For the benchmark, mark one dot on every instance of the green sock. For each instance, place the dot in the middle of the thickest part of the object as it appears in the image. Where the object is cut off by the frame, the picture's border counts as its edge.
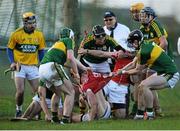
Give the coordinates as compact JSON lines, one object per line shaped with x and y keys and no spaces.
{"x":134,"y":108}
{"x":55,"y":117}
{"x":140,"y":112}
{"x":66,"y":119}
{"x":149,"y":109}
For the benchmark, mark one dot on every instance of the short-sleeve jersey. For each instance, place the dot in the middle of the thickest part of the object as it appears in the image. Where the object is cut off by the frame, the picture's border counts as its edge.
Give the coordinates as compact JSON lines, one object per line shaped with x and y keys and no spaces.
{"x":58,"y":52}
{"x":25,"y":46}
{"x":90,"y":43}
{"x":154,"y":32}
{"x":155,"y":58}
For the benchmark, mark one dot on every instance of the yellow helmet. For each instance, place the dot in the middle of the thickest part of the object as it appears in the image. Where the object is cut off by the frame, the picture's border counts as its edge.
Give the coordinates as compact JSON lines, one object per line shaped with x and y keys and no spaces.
{"x":137,"y":7}
{"x":29,"y":17}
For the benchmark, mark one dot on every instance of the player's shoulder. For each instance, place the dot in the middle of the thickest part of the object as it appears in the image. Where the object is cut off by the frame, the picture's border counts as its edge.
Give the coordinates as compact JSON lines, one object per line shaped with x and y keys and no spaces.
{"x":110,"y":39}
{"x":18,"y":30}
{"x":156,"y":24}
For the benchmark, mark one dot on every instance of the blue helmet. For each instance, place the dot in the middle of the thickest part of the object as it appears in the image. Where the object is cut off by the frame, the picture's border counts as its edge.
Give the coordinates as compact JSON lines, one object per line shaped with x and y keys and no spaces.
{"x":148,"y":11}
{"x":146,"y":15}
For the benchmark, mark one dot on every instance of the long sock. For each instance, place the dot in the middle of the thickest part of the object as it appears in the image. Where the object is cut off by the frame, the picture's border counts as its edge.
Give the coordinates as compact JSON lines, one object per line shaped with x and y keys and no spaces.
{"x":66,"y":119}
{"x":134,"y":108}
{"x":55,"y":117}
{"x":140,"y":112}
{"x":19,"y":107}
{"x":149,"y":109}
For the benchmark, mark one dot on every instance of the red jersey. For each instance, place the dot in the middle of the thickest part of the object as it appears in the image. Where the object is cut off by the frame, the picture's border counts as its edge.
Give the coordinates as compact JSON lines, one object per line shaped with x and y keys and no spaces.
{"x":123,"y":78}
{"x":94,"y":81}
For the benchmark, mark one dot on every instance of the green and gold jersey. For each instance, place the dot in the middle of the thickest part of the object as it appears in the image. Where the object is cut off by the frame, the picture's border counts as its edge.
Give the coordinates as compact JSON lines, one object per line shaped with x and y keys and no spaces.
{"x":25,"y":46}
{"x":90,"y":43}
{"x":58,"y":52}
{"x":155,"y":58}
{"x":154,"y":32}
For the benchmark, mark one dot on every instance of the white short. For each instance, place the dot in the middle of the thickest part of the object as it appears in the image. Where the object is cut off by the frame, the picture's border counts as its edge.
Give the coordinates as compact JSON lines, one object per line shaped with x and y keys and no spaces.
{"x":106,"y":115}
{"x":48,"y":101}
{"x":116,"y":93}
{"x":49,"y":74}
{"x":100,"y":67}
{"x":174,"y":80}
{"x":29,"y":72}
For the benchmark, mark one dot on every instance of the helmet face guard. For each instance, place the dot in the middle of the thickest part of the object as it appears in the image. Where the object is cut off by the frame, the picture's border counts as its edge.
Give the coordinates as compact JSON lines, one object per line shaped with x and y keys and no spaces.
{"x":135,"y":36}
{"x":135,"y":15}
{"x":144,"y":18}
{"x":29,"y":22}
{"x":146,"y":15}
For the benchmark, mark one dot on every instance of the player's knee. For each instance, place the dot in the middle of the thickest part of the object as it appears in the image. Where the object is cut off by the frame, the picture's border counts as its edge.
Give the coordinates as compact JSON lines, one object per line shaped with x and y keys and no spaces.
{"x":20,"y":92}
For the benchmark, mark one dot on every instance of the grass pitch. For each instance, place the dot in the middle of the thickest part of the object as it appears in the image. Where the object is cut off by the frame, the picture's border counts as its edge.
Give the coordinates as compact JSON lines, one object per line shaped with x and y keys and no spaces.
{"x":169,"y":100}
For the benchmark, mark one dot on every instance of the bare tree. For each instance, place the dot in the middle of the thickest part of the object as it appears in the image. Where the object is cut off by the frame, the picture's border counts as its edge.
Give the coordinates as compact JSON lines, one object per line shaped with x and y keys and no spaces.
{"x":71,"y":17}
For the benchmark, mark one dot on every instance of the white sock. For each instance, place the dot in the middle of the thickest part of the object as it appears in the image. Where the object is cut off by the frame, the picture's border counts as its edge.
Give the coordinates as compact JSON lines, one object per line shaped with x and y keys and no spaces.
{"x":19,"y":107}
{"x":150,"y":113}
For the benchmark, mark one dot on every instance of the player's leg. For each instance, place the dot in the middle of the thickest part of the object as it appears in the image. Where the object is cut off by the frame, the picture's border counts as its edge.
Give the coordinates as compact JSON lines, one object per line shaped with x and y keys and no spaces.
{"x":19,"y":82}
{"x":55,"y":105}
{"x":135,"y":79}
{"x":104,"y":108}
{"x":33,"y":109}
{"x":33,"y":77}
{"x":69,"y":92}
{"x":145,"y":93}
{"x":156,"y":105}
{"x":93,"y":109}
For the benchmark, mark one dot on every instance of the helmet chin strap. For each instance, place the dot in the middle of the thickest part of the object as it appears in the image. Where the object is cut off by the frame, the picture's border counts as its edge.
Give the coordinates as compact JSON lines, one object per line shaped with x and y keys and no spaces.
{"x":29,"y":31}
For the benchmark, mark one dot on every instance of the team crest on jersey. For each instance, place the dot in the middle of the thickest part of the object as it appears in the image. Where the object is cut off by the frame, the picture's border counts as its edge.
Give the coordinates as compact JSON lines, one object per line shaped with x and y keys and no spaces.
{"x":36,"y":40}
{"x":104,"y":47}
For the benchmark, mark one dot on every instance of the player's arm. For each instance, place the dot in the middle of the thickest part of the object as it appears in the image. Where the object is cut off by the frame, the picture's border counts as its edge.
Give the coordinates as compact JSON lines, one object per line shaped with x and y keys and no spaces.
{"x":41,"y":54}
{"x":163,"y":42}
{"x":161,"y":33}
{"x":100,"y":53}
{"x":73,"y":63}
{"x":136,"y":70}
{"x":131,"y":68}
{"x":11,"y":58}
{"x":42,"y":95}
{"x":81,"y":66}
